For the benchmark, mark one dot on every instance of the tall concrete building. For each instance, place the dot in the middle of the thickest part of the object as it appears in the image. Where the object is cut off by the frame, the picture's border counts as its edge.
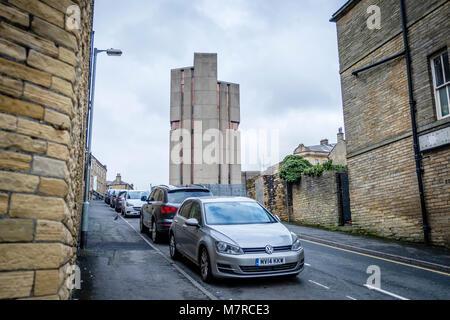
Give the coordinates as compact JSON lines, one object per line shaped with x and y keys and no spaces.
{"x":204,"y":119}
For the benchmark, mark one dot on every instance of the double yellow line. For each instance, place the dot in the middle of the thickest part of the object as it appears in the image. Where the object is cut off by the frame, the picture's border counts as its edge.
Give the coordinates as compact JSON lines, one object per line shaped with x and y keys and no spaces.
{"x":375,"y":257}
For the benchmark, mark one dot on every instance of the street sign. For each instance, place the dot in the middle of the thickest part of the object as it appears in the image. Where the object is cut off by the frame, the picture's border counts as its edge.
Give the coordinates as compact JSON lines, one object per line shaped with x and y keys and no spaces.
{"x":434,"y":139}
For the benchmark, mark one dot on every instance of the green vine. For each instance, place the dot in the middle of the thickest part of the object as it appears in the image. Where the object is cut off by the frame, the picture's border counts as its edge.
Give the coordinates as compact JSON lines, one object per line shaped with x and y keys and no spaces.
{"x":294,"y":166}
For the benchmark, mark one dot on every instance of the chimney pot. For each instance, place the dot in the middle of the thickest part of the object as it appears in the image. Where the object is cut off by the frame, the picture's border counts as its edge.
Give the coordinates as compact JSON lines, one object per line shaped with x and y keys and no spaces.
{"x":324,"y":142}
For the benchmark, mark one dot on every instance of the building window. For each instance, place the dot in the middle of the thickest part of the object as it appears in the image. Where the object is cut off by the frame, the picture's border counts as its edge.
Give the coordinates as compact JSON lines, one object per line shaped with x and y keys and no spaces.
{"x":441,"y":82}
{"x":317,"y":162}
{"x":324,"y":161}
{"x":175,"y":125}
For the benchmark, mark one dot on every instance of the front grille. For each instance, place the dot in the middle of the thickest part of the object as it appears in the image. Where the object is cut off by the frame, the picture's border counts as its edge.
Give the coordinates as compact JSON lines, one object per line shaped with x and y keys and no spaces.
{"x":263,"y":249}
{"x":281,"y":267}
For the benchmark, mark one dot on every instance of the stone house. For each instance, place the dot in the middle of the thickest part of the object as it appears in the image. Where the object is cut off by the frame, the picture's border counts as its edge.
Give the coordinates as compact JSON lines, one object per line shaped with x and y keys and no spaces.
{"x":396,"y":89}
{"x":98,"y":177}
{"x":118,"y":183}
{"x":44,"y":91}
{"x":324,"y":151}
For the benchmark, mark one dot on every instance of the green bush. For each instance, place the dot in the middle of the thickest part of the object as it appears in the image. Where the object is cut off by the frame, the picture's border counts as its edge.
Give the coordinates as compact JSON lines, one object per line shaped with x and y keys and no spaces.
{"x":294,"y":166}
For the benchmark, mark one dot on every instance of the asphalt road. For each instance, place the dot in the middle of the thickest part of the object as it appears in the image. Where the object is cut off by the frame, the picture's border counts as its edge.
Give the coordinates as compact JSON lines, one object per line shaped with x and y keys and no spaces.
{"x":121,"y":263}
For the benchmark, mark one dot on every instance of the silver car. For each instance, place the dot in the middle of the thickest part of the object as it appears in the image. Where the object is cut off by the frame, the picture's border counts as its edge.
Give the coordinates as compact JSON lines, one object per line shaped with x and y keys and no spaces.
{"x":234,"y":237}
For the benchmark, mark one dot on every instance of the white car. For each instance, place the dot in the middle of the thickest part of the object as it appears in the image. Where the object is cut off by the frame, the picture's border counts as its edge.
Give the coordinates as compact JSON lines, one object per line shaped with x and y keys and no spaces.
{"x":134,"y":199}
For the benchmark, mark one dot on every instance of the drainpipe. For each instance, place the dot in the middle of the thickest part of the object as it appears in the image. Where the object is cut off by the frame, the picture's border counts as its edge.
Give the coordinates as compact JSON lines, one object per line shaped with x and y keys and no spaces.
{"x":412,"y":104}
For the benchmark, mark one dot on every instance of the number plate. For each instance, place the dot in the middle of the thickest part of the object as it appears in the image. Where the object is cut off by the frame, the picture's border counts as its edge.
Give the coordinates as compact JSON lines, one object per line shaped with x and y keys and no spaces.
{"x":269,"y":261}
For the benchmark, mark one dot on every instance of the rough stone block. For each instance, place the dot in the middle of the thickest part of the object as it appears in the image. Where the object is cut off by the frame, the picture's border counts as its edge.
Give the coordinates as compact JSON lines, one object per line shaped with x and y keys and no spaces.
{"x":18,"y":182}
{"x":40,"y":9}
{"x":57,"y":151}
{"x":12,"y":50}
{"x":11,"y":86}
{"x":42,"y":131}
{"x":14,"y":161}
{"x":14,"y":15}
{"x":51,"y":65}
{"x":16,"y":284}
{"x":31,"y":256}
{"x":49,"y":167}
{"x":9,"y":140}
{"x":37,"y":207}
{"x":27,"y":39}
{"x":8,"y":122}
{"x":60,"y":120}
{"x":53,"y":187}
{"x":16,"y":230}
{"x":20,"y":71}
{"x":52,"y":32}
{"x":21,"y":108}
{"x":62,"y":86}
{"x":47,"y":282}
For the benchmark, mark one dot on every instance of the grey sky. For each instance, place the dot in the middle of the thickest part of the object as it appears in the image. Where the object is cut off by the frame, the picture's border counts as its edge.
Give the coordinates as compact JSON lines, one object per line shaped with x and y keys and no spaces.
{"x":282,"y":53}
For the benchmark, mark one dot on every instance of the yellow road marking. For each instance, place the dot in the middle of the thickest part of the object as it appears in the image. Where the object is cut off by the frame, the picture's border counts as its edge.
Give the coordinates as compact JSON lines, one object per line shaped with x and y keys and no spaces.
{"x":379,"y":258}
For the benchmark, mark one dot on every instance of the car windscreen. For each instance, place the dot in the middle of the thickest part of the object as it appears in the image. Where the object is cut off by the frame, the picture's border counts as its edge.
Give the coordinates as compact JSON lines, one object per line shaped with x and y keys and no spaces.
{"x":239,"y":212}
{"x":137,"y":194}
{"x":178,"y":196}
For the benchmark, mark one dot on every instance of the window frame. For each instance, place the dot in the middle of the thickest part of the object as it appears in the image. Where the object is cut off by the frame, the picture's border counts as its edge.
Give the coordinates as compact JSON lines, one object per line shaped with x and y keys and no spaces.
{"x":436,"y":88}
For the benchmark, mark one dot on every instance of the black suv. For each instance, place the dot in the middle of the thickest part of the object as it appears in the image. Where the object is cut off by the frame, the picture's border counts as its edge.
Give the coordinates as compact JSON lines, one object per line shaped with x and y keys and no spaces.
{"x":162,"y":204}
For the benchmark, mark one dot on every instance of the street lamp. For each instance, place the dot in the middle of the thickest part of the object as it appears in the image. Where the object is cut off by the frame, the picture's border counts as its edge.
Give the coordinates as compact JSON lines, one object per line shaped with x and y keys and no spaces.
{"x":85,"y":217}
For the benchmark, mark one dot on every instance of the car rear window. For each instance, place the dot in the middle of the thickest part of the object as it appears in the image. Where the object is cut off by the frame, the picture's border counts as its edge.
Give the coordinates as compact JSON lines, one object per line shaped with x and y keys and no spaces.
{"x":178,"y":196}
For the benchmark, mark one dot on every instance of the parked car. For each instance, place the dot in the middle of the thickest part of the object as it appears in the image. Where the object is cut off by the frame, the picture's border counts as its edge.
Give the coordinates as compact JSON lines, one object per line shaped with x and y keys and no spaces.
{"x":134,"y":199}
{"x":120,"y":199}
{"x":113,"y":198}
{"x":108,"y":196}
{"x":157,"y":213}
{"x":234,"y":237}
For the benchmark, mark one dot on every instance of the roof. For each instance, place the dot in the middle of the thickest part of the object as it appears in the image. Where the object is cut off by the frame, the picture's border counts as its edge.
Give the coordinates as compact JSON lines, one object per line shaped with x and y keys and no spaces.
{"x":344,"y":10}
{"x":321,"y":148}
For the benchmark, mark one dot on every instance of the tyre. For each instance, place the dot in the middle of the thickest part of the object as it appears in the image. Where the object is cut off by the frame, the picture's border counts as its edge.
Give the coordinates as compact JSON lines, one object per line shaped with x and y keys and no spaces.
{"x":205,"y":266}
{"x":142,"y":227}
{"x":156,"y":236}
{"x":174,"y":254}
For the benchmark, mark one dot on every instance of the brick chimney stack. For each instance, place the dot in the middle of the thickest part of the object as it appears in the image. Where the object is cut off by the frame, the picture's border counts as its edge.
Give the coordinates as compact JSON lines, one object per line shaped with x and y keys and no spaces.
{"x":340,"y":135}
{"x":324,"y":142}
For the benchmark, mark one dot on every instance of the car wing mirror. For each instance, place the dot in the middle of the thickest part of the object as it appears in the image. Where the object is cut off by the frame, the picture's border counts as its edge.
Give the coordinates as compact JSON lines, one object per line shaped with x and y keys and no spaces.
{"x":192,"y":222}
{"x":277,"y":218}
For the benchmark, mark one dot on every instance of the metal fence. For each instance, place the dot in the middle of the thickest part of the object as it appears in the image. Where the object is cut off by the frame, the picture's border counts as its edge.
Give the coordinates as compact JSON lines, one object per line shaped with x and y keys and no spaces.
{"x":235,"y":190}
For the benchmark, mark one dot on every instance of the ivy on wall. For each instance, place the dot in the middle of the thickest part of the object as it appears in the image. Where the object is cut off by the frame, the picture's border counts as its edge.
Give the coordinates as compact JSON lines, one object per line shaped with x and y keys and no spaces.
{"x":294,"y":166}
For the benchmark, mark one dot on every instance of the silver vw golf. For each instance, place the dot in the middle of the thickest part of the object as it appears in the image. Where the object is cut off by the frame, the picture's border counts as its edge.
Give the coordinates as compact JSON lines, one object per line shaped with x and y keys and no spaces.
{"x":234,"y":237}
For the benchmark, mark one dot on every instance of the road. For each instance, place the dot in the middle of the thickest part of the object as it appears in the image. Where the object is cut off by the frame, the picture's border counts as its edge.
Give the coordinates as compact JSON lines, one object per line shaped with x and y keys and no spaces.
{"x":121,"y":263}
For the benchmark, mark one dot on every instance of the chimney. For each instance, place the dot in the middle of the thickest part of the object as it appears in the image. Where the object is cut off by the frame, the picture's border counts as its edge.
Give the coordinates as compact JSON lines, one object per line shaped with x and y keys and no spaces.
{"x":340,"y":135}
{"x":118,"y":179}
{"x":324,"y":142}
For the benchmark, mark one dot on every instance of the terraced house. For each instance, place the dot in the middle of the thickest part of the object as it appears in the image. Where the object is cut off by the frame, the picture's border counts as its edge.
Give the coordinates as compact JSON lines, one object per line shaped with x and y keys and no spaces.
{"x":44,"y":93}
{"x":396,"y":87}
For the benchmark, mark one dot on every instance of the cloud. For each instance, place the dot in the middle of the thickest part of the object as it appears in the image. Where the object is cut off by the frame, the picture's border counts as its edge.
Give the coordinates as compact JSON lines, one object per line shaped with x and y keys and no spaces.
{"x":283,"y":55}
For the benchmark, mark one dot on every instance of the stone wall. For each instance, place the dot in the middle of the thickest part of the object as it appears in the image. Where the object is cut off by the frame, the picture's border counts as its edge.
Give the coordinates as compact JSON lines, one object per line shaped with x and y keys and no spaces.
{"x":273,"y":193}
{"x":44,"y":79}
{"x":383,"y":184}
{"x":315,"y":200}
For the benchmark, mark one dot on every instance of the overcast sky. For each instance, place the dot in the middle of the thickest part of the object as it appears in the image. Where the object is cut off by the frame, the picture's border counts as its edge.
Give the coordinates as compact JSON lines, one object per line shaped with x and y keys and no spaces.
{"x":282,"y":53}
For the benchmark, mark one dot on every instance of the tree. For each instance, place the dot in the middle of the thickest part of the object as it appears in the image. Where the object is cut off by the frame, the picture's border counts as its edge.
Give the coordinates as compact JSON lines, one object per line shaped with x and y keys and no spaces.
{"x":292,"y":168}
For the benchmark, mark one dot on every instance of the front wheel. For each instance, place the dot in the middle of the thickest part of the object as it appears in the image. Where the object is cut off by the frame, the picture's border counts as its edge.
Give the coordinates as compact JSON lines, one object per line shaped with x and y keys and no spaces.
{"x":205,"y":266}
{"x":142,"y":226}
{"x":174,"y":254}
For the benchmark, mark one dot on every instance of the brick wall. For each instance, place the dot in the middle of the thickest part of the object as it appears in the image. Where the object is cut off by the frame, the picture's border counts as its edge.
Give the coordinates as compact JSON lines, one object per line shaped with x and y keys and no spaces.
{"x":44,"y":76}
{"x":383,"y":184}
{"x":315,"y":200}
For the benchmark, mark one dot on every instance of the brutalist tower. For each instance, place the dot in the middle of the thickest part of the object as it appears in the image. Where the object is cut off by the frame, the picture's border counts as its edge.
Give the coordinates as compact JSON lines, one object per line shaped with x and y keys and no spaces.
{"x":204,"y":118}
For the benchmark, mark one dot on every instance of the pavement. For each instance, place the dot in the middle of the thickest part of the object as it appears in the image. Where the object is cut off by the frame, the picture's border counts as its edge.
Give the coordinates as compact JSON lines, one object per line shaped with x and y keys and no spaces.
{"x":416,"y":254}
{"x":120,"y":263}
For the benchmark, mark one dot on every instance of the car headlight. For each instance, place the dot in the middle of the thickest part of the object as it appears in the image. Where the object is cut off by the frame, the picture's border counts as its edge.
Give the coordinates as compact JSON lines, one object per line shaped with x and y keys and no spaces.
{"x":227,"y":248}
{"x":296,"y":245}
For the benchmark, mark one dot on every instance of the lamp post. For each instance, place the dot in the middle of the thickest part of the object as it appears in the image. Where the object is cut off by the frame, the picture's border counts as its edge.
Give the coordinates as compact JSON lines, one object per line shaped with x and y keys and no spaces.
{"x":85,"y":217}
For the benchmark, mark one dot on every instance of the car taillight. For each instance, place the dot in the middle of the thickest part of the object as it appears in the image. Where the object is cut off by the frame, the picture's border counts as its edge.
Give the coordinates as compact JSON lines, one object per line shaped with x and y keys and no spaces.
{"x":119,"y":198}
{"x":167,"y":209}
